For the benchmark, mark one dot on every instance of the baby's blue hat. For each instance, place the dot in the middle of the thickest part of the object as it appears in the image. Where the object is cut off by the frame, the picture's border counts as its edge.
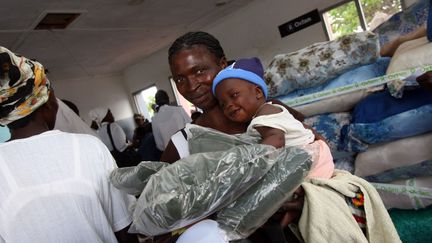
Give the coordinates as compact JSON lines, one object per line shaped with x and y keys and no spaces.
{"x":249,"y":69}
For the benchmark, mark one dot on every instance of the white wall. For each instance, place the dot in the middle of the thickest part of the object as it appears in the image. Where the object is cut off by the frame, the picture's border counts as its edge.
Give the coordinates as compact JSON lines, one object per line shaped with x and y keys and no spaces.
{"x":251,"y":31}
{"x":106,"y":91}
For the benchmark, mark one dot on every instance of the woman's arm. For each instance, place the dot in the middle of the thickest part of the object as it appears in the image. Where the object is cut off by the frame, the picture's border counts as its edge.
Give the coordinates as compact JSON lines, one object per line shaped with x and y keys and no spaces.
{"x":170,"y":155}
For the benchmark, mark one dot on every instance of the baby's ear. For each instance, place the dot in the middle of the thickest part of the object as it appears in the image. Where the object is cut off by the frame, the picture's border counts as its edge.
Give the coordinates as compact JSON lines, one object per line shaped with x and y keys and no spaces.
{"x":258,"y":92}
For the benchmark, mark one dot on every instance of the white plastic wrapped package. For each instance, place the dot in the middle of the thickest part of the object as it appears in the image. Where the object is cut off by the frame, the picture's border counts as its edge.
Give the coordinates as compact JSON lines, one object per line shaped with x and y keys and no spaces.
{"x":253,"y":208}
{"x":198,"y":185}
{"x":263,"y":199}
{"x":414,"y":193}
{"x":202,"y":139}
{"x":385,"y":156}
{"x":203,"y":183}
{"x":132,"y":180}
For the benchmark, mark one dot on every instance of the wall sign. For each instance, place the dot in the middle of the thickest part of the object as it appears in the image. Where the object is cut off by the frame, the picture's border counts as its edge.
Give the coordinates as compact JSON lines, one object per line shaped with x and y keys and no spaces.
{"x":299,"y":23}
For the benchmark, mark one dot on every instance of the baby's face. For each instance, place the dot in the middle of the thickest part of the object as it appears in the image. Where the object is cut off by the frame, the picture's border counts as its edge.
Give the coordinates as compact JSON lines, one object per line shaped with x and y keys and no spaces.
{"x":239,"y":99}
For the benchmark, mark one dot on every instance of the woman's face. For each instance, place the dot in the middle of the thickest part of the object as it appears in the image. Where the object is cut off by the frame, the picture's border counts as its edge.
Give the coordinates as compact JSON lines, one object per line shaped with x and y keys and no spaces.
{"x":193,"y":71}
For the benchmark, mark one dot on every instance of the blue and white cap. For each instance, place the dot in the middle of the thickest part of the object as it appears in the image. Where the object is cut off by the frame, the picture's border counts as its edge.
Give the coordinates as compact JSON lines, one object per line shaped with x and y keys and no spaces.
{"x":249,"y":69}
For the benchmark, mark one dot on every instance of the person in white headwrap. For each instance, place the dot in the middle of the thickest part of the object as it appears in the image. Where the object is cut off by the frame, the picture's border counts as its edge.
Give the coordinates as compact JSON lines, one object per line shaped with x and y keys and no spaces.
{"x":98,"y":114}
{"x":54,"y":185}
{"x":105,"y":120}
{"x":113,"y":136}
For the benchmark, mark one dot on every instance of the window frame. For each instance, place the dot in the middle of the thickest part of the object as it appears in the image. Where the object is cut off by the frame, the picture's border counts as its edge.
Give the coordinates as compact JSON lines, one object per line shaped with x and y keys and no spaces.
{"x":360,"y":13}
{"x":137,"y":106}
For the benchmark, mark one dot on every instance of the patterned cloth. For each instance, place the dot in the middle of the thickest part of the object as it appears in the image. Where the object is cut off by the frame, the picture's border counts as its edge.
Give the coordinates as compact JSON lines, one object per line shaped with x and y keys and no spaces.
{"x":356,"y":205}
{"x":329,"y":126}
{"x":351,"y":76}
{"x":402,"y":173}
{"x":403,"y":22}
{"x":357,"y":136}
{"x":23,"y":86}
{"x":320,"y":62}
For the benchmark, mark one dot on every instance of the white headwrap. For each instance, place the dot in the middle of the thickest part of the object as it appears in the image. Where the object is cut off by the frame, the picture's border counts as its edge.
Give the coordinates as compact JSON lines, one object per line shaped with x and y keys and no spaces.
{"x":98,"y":114}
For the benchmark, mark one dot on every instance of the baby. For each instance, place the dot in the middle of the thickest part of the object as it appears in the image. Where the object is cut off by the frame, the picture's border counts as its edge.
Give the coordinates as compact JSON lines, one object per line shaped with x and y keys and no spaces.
{"x":242,"y":93}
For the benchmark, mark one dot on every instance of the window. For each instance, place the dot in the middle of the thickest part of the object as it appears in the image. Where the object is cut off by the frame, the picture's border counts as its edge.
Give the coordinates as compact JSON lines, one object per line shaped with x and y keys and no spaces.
{"x":358,"y":15}
{"x":144,"y":100}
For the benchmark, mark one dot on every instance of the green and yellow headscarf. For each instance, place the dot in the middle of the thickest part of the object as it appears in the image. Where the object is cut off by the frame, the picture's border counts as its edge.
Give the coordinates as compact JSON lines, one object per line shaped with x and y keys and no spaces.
{"x":23,"y":86}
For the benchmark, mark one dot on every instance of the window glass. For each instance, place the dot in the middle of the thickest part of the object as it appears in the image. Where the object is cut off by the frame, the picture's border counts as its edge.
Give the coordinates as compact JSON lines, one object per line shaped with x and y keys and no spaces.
{"x":378,"y":11}
{"x":342,"y":20}
{"x":348,"y":18}
{"x":144,"y":100}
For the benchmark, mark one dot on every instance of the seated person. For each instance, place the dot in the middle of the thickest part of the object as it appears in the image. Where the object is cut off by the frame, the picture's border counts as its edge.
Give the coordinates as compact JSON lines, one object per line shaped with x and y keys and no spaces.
{"x":142,"y":128}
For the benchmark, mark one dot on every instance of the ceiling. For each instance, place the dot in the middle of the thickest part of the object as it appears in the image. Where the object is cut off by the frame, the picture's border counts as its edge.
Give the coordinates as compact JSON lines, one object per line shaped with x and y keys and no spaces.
{"x":108,"y":36}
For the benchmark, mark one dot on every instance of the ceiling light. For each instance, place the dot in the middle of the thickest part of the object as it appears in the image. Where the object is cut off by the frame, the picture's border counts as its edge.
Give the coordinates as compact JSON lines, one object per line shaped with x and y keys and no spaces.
{"x":56,"y":21}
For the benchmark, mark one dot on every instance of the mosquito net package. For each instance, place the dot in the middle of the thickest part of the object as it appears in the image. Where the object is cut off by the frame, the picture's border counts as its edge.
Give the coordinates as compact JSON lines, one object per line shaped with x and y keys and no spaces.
{"x":220,"y":169}
{"x":132,"y":180}
{"x":252,"y":209}
{"x":199,"y":185}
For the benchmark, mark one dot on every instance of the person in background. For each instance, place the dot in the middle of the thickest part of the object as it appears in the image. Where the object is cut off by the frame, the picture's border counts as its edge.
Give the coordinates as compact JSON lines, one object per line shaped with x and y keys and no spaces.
{"x":168,"y":120}
{"x":242,"y":93}
{"x":55,"y":186}
{"x":113,"y":136}
{"x":105,"y":119}
{"x":142,"y":127}
{"x":144,"y":140}
{"x":147,"y":148}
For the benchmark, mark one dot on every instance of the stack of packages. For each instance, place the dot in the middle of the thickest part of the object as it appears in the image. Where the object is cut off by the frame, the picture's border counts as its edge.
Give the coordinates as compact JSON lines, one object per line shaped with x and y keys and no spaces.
{"x":377,"y":120}
{"x":232,"y":178}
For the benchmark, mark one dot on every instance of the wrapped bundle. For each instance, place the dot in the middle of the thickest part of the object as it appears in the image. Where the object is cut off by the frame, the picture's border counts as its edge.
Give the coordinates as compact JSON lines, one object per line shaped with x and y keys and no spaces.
{"x":133,"y":179}
{"x":199,"y":185}
{"x":221,"y":168}
{"x":264,"y":198}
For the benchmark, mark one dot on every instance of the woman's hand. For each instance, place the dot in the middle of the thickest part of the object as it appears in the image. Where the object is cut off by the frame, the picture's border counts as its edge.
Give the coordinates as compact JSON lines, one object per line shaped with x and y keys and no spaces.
{"x":293,"y":208}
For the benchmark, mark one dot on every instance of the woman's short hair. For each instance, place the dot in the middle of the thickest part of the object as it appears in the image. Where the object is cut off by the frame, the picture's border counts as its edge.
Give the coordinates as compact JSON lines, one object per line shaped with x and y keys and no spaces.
{"x":192,"y":39}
